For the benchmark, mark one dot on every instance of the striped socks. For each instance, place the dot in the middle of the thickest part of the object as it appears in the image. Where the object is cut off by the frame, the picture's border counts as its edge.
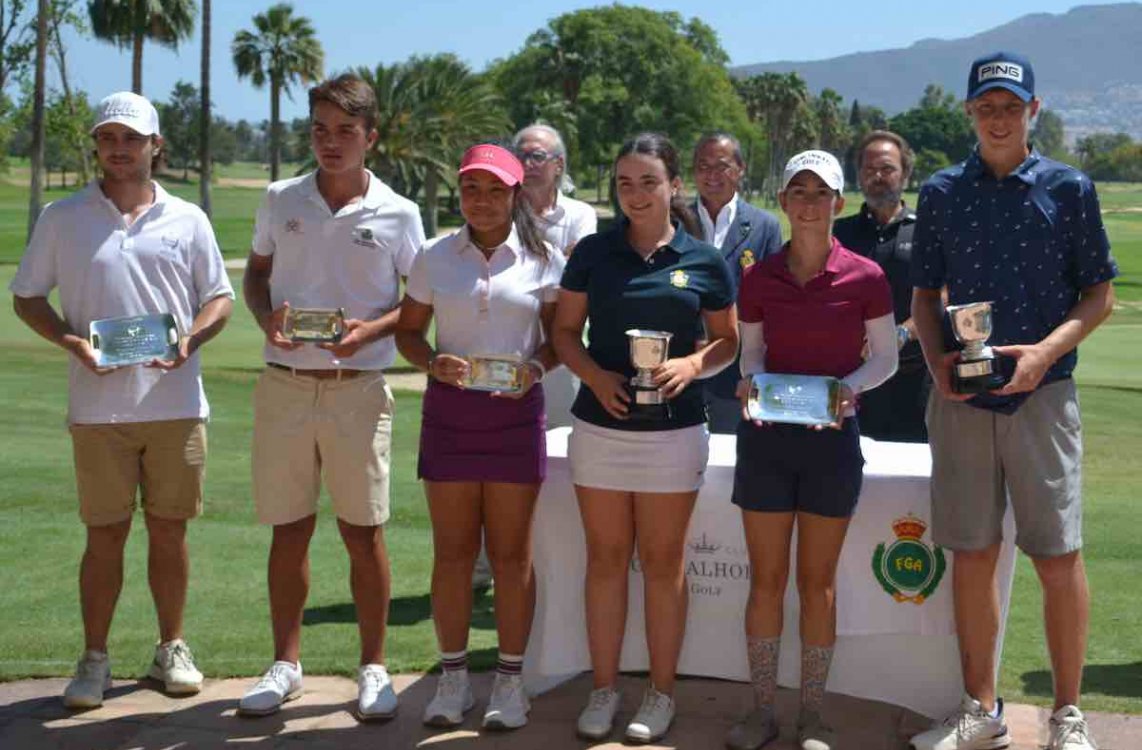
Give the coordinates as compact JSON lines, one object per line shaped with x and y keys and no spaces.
{"x":509,"y":664}
{"x":455,"y":661}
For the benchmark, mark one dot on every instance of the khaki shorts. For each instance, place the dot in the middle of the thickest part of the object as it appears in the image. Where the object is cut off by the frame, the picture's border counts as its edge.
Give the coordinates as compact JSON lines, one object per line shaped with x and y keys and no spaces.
{"x":167,"y":459}
{"x":307,"y":429}
{"x":981,"y":458}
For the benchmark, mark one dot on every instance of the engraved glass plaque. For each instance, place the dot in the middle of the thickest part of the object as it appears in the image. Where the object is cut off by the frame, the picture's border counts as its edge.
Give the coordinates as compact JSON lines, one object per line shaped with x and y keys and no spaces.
{"x":316,"y":325}
{"x":497,"y":374}
{"x":134,"y":340}
{"x":795,"y":399}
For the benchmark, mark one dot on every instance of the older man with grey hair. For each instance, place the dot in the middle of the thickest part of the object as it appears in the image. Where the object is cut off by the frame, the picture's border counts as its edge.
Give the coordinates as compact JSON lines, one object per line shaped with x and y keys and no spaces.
{"x":563,"y":220}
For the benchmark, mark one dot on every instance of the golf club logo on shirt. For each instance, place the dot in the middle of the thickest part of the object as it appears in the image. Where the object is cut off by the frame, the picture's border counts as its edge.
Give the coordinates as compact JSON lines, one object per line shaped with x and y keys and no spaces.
{"x":679,"y":278}
{"x":293,"y":226}
{"x":908,"y":569}
{"x":364,"y":237}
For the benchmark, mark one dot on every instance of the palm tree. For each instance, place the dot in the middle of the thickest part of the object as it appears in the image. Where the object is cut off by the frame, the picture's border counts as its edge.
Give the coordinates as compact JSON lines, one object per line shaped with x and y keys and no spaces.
{"x":127,"y":23}
{"x":207,"y":119}
{"x":283,"y":51}
{"x":36,"y":199}
{"x":430,"y":110}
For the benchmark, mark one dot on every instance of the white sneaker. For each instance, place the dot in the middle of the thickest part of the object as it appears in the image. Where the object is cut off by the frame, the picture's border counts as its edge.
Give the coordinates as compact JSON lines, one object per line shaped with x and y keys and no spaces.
{"x":376,"y":698}
{"x":1068,"y":731}
{"x":598,"y":717}
{"x":653,"y":718}
{"x":970,"y":727}
{"x":173,"y":666}
{"x":509,"y":705}
{"x":92,"y":679}
{"x":280,"y":683}
{"x":453,"y":699}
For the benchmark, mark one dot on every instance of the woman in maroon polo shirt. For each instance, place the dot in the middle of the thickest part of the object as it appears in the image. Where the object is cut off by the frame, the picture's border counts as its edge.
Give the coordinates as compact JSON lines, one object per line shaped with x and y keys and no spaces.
{"x":808,"y":310}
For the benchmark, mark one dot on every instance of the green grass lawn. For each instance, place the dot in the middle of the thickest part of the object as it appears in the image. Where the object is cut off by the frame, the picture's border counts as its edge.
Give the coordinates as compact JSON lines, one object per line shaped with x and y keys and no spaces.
{"x":227,"y":617}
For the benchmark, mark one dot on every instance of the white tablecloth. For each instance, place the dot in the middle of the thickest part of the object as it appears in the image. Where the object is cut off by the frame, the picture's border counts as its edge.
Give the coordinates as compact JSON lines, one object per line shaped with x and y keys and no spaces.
{"x":893,"y":650}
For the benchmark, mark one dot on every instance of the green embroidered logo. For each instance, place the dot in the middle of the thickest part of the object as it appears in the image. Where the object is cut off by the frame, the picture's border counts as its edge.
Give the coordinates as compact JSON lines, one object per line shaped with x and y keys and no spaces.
{"x":909,"y":569}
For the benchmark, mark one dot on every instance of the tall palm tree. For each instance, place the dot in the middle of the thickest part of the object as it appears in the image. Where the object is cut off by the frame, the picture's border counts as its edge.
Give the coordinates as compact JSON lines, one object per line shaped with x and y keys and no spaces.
{"x":205,"y":165}
{"x":283,"y":50}
{"x":35,"y":201}
{"x":430,"y":110}
{"x":128,"y":23}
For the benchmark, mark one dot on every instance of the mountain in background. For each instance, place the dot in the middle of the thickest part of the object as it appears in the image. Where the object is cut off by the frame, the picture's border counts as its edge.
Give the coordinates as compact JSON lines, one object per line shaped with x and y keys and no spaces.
{"x":1088,"y":67}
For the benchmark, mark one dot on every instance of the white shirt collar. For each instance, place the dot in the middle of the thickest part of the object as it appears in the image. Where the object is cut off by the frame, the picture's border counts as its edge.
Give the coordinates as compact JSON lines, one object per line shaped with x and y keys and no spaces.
{"x":715,"y":230}
{"x":512,"y":242}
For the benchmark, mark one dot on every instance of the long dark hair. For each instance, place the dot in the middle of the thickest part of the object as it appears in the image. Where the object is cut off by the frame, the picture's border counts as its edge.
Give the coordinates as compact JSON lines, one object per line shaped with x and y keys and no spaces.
{"x":660,"y":147}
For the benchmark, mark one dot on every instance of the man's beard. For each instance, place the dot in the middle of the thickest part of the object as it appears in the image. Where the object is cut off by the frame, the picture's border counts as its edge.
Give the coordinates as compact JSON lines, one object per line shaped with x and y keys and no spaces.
{"x":884,"y":199}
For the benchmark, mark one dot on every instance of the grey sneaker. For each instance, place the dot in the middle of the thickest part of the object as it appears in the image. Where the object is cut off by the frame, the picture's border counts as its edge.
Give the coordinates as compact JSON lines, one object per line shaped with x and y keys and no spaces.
{"x":453,"y":699}
{"x":653,"y":718}
{"x":1068,"y":731}
{"x":173,"y":666}
{"x":598,"y":717}
{"x":813,"y":733}
{"x":754,"y":731}
{"x":967,"y":728}
{"x":509,"y":705}
{"x":92,"y":679}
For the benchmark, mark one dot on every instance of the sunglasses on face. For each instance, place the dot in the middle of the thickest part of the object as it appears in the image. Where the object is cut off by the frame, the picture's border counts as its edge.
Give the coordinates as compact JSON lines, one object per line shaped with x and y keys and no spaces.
{"x":538,"y":156}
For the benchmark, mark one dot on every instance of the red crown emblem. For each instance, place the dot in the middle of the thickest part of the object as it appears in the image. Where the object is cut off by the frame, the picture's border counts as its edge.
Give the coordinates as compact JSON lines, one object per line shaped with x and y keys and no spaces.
{"x":909,"y":527}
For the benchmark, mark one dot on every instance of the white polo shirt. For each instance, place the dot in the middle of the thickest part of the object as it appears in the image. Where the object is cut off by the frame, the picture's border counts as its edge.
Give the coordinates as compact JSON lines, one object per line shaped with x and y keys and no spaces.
{"x":485,"y":306}
{"x":352,"y":259}
{"x":166,"y":261}
{"x":716,"y":229}
{"x":568,"y":222}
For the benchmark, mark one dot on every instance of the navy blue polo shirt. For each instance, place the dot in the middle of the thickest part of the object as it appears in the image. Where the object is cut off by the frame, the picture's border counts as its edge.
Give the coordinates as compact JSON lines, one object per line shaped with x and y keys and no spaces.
{"x":1029,"y":243}
{"x":666,"y":292}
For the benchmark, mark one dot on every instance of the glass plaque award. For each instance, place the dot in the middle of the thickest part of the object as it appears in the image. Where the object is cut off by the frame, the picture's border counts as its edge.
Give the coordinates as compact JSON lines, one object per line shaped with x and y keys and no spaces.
{"x":314,"y":325}
{"x":134,"y":340}
{"x":498,"y":374}
{"x":795,"y":399}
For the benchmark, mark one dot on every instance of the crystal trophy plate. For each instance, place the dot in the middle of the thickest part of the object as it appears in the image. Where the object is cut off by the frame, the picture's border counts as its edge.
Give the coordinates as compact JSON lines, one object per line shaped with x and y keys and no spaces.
{"x":314,"y":325}
{"x":794,"y":399}
{"x":494,"y":374}
{"x":134,"y":340}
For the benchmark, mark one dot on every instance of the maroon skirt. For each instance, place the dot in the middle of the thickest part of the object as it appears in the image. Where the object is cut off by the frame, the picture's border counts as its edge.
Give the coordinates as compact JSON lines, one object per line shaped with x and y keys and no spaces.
{"x":472,"y":436}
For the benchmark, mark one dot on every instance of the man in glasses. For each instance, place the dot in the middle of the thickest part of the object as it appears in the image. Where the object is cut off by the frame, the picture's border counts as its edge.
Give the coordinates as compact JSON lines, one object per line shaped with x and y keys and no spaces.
{"x":563,"y":220}
{"x":743,"y":232}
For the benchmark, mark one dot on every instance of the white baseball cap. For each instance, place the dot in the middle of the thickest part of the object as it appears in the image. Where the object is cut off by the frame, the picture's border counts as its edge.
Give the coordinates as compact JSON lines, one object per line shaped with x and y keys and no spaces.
{"x":128,"y":109}
{"x":821,"y":163}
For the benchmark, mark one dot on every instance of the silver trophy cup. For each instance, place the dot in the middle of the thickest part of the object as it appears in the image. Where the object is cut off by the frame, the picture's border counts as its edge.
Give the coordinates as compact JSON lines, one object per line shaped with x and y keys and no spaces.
{"x":648,"y":350}
{"x":977,"y":370}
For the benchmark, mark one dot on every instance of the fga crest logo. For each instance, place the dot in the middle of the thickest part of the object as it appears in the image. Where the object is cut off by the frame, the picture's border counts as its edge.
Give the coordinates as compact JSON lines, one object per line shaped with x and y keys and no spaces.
{"x":680,"y":278}
{"x":909,"y":569}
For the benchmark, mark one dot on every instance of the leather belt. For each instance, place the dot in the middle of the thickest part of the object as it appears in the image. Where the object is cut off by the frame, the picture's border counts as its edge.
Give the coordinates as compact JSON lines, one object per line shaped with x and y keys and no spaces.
{"x":331,"y":374}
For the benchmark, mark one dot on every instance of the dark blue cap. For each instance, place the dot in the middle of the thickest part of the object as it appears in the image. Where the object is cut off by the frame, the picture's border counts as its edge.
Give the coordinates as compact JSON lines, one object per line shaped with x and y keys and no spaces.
{"x":1002,"y":70}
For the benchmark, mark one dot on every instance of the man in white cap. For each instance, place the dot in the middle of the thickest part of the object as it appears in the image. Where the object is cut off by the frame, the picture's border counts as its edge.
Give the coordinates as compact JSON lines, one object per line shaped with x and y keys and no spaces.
{"x":122,"y":247}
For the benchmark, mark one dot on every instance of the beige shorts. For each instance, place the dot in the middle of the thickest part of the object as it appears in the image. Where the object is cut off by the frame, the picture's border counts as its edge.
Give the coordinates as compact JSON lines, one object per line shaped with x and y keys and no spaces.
{"x":309,"y":429}
{"x":166,"y":459}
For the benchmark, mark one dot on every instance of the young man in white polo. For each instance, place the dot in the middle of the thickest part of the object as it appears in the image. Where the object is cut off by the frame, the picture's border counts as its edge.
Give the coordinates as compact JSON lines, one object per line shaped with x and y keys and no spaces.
{"x":123,"y":246}
{"x":334,"y":238}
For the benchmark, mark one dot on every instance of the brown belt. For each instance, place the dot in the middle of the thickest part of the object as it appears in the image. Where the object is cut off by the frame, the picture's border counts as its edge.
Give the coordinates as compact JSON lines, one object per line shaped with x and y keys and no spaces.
{"x":332,"y":374}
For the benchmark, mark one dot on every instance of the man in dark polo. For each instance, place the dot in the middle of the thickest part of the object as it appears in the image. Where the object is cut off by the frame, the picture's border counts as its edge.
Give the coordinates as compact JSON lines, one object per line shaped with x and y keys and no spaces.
{"x":882,"y":231}
{"x":743,"y":232}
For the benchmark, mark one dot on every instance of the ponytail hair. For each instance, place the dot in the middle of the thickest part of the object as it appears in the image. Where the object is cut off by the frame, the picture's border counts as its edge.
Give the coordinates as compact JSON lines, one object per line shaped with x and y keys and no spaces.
{"x":659,"y":146}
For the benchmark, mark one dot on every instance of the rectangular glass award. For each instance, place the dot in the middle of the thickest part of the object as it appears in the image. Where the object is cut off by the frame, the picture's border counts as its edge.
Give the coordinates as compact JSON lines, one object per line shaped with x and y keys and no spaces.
{"x":498,"y":374}
{"x":794,"y":399}
{"x":314,"y":325}
{"x":134,"y":340}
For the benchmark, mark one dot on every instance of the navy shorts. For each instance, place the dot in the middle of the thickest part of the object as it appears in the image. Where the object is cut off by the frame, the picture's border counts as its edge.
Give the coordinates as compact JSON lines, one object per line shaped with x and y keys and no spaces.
{"x":785,"y":468}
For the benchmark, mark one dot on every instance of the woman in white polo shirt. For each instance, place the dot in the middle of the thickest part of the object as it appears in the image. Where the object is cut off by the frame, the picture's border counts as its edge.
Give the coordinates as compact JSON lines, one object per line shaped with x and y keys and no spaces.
{"x":491,"y":287}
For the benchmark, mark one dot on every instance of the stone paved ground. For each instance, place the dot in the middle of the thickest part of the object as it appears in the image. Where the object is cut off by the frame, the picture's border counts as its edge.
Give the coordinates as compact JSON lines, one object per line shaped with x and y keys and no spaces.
{"x":136,"y":716}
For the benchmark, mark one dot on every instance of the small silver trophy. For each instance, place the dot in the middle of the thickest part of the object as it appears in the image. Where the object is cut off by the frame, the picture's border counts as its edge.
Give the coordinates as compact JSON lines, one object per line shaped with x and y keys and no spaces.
{"x":977,"y":370}
{"x":794,"y":399}
{"x":648,"y":350}
{"x":314,"y":325}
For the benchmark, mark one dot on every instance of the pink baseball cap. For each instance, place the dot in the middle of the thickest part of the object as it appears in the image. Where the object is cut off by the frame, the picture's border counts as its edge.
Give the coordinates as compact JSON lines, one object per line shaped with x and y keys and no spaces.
{"x":495,"y":159}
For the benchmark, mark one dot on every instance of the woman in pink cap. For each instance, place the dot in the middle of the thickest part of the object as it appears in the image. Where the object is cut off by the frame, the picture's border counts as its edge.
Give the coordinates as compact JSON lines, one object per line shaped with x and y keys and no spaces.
{"x":491,"y":287}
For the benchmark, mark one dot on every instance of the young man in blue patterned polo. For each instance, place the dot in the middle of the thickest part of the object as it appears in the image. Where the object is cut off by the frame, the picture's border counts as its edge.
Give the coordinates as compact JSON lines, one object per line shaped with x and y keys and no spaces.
{"x":1024,"y":232}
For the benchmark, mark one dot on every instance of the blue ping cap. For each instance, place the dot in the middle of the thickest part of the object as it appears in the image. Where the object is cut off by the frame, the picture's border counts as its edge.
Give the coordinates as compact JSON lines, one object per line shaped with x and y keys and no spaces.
{"x":1002,"y":70}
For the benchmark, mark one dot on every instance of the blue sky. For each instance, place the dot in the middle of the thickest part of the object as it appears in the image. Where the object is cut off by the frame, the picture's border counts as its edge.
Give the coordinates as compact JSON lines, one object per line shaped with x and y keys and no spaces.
{"x":367,"y":32}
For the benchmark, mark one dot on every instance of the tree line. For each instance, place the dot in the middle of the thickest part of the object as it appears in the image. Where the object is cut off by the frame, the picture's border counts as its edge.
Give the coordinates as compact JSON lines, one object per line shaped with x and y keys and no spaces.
{"x":598,"y":75}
